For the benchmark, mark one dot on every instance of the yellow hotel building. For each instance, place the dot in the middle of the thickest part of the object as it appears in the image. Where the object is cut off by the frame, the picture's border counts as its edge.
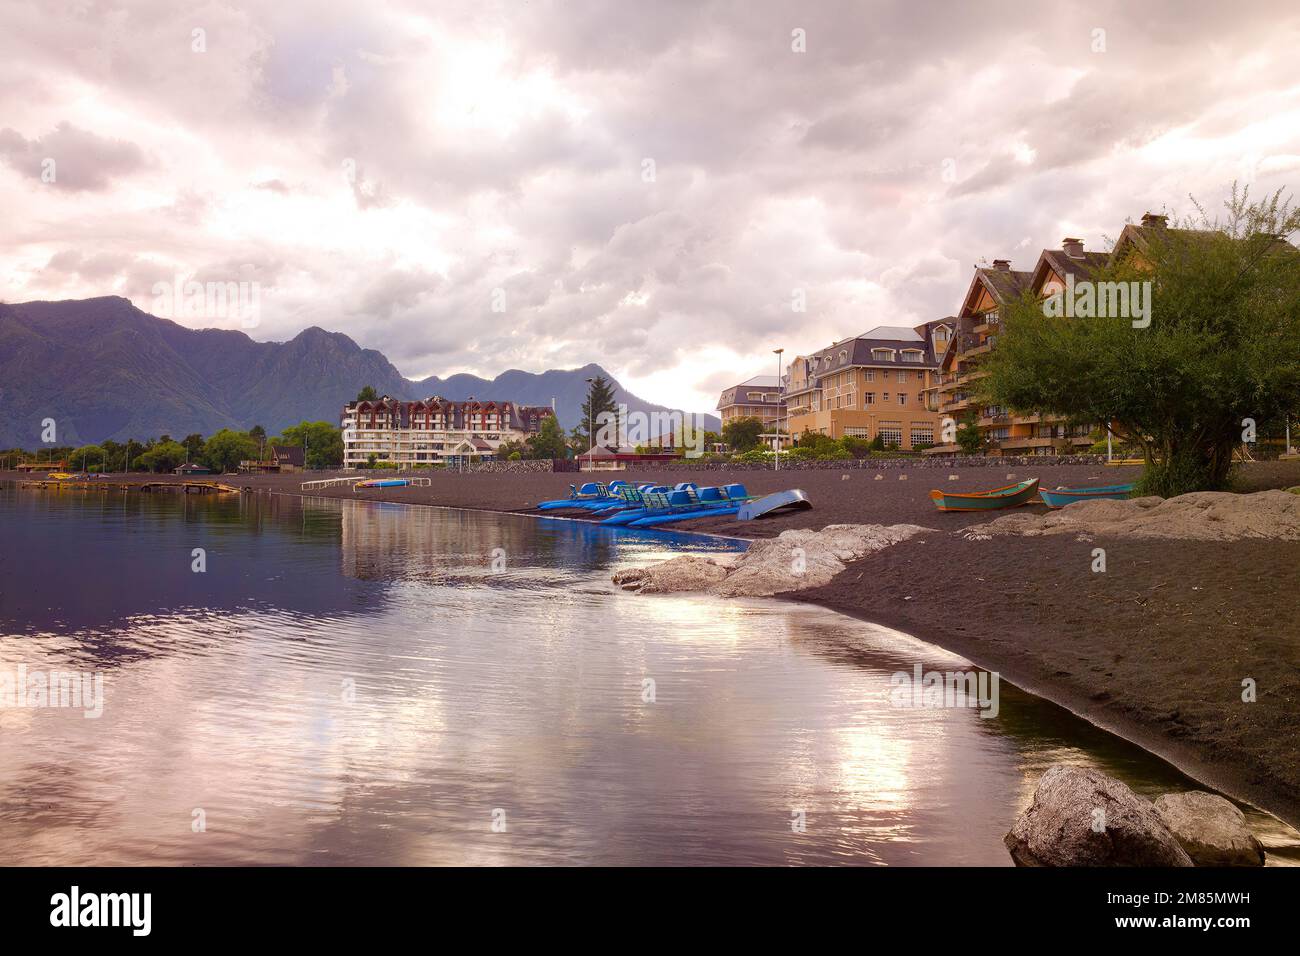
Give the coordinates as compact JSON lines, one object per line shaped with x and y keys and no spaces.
{"x":883,"y":382}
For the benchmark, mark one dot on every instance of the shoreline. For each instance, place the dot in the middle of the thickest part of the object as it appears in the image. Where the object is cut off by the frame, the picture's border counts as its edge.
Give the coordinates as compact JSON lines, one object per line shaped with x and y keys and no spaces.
{"x":1002,"y":605}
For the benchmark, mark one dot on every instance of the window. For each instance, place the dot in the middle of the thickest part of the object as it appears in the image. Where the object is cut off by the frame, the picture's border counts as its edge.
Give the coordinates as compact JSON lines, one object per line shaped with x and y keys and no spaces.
{"x":886,"y":396}
{"x":912,"y":355}
{"x":857,"y":433}
{"x":902,"y":376}
{"x":902,"y":398}
{"x":882,"y":355}
{"x":844,"y":356}
{"x":869,"y":398}
{"x":922,"y":434}
{"x":871,"y":374}
{"x":891,"y":433}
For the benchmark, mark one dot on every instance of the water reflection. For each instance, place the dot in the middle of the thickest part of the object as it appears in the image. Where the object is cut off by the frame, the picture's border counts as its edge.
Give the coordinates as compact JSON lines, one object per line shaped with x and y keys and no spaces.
{"x":356,"y":684}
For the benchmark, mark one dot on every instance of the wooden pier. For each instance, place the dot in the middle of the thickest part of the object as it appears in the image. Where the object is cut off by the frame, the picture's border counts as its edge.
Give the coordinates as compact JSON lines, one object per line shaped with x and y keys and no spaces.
{"x":186,"y":487}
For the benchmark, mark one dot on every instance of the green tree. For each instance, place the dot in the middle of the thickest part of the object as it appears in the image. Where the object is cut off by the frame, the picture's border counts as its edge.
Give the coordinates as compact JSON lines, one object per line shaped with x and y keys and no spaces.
{"x":367,"y":394}
{"x":741,"y":434}
{"x":194,"y":445}
{"x":162,"y":456}
{"x":323,"y":443}
{"x":600,"y":401}
{"x":86,"y":457}
{"x":969,"y":439}
{"x":226,"y":449}
{"x":549,"y":440}
{"x":1216,"y":352}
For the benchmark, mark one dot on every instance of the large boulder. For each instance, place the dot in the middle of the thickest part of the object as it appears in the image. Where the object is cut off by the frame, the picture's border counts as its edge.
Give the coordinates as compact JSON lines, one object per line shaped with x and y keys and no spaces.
{"x":687,"y":572}
{"x":792,"y":561}
{"x":1211,"y":829}
{"x":1081,"y":817}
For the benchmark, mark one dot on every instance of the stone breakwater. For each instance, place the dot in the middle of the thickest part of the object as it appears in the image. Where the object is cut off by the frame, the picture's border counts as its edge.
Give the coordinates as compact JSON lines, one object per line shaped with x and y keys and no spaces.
{"x":792,"y":561}
{"x":882,"y":464}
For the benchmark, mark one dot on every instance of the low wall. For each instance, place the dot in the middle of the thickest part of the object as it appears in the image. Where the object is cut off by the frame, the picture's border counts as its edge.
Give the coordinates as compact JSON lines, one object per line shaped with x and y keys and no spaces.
{"x":934,"y":461}
{"x":528,"y":467}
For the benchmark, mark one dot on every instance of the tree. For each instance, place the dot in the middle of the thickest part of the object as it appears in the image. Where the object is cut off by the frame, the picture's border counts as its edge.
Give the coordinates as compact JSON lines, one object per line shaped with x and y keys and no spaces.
{"x":194,"y":445}
{"x":600,"y":400}
{"x":969,"y":438}
{"x":323,"y":443}
{"x":367,"y":394}
{"x":163,"y":456}
{"x":741,"y":434}
{"x":226,"y":449}
{"x":549,"y":440}
{"x":85,"y":457}
{"x":1215,"y":355}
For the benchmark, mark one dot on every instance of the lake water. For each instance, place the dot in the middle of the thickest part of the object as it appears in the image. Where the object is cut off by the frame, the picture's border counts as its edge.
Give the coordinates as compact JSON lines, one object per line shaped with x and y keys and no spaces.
{"x":366,"y":683}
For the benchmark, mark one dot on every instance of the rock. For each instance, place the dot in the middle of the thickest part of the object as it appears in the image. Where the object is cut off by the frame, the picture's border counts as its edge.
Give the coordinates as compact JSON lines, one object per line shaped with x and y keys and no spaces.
{"x":792,"y":561}
{"x":687,"y":572}
{"x":1211,"y":829}
{"x":1081,"y":817}
{"x":1201,"y":515}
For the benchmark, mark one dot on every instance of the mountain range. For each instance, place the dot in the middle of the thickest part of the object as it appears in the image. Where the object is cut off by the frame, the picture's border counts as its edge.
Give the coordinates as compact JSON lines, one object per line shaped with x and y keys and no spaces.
{"x":103,"y":369}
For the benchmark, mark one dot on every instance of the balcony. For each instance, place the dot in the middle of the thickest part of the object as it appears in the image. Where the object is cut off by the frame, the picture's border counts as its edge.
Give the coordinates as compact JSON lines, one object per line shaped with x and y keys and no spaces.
{"x":1011,"y":444}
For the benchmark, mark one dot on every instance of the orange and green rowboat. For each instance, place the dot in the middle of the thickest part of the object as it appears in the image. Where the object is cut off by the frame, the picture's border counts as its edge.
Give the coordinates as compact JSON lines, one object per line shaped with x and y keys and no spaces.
{"x":1009,"y":496}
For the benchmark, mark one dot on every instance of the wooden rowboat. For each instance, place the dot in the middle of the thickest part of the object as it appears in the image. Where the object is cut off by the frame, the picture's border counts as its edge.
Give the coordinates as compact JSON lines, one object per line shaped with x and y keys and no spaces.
{"x":1009,"y":496}
{"x":1061,"y":497}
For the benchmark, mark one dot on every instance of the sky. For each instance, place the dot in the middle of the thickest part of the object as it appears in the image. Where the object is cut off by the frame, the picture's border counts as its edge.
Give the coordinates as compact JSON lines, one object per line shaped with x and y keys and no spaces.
{"x":670,"y":189}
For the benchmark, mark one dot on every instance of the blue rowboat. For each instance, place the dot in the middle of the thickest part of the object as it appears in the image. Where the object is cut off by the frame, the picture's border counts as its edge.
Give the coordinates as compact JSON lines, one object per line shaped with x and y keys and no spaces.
{"x":1061,"y":497}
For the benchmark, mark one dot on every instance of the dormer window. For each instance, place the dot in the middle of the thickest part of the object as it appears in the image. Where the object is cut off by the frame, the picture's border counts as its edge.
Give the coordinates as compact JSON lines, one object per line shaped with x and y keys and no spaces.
{"x":882,"y":355}
{"x":844,"y":356}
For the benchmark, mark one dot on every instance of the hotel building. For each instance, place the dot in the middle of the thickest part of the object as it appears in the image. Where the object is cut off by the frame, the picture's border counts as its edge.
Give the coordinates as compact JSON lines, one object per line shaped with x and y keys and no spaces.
{"x":758,"y":397}
{"x":433,"y":431}
{"x":883,"y":382}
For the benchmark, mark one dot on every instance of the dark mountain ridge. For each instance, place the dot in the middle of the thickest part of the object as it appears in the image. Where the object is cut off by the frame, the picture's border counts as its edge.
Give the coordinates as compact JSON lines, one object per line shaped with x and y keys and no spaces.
{"x":103,"y":369}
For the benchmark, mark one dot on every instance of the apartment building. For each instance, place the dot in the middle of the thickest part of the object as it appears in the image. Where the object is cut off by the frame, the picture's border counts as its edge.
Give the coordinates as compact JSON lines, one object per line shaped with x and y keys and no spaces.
{"x":1004,"y":431}
{"x":434,"y":430}
{"x":883,"y":382}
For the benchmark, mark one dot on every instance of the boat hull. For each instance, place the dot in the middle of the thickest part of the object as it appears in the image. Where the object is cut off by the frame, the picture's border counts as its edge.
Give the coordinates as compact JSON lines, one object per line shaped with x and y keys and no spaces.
{"x":1061,"y":497}
{"x":1010,"y":496}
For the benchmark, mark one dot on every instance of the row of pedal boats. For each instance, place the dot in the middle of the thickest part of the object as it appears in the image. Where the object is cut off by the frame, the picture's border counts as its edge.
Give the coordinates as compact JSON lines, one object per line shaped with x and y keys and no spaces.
{"x":647,"y":505}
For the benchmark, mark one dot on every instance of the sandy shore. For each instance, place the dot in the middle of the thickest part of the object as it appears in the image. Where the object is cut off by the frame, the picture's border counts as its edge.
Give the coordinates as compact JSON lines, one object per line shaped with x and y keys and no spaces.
{"x":1155,"y":649}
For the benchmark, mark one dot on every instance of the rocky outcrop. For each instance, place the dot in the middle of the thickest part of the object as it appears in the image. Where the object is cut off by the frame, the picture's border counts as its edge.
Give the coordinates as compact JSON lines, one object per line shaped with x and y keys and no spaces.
{"x":792,"y":561}
{"x":1210,"y":829}
{"x":1081,"y":817}
{"x":1201,"y":515}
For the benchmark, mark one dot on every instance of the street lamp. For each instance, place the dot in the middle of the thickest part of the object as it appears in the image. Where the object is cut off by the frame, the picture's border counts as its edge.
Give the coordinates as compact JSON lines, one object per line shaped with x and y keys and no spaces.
{"x":591,"y":425}
{"x":777,"y":466}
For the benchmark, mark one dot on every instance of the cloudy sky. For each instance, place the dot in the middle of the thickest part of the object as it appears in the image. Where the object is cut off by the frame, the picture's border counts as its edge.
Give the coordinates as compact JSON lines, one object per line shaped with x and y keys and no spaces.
{"x":476,"y":186}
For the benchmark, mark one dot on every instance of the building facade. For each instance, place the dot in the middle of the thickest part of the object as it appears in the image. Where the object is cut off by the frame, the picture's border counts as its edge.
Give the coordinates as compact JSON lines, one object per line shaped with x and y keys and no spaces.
{"x":759,"y":397}
{"x":881,"y":383}
{"x":433,"y":431}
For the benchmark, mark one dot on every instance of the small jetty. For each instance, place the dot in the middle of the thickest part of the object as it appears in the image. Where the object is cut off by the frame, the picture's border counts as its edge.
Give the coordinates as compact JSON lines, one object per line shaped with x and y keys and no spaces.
{"x":186,"y":487}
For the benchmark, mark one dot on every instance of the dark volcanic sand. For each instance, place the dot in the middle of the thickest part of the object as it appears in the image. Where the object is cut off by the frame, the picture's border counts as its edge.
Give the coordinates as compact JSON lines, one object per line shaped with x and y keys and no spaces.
{"x":1154,"y":649}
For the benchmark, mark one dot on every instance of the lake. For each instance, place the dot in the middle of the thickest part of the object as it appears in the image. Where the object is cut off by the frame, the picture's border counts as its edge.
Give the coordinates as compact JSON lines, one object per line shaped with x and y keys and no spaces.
{"x":299,"y":681}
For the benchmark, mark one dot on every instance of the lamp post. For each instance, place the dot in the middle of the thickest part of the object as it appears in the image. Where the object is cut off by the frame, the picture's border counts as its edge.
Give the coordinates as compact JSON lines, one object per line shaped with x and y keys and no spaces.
{"x":591,"y":424}
{"x":777,"y":464}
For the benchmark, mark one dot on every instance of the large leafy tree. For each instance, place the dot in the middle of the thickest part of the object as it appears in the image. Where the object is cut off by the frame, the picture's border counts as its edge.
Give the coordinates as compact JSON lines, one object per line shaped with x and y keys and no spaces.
{"x":1221,"y":352}
{"x":323,"y":443}
{"x":367,"y":394}
{"x":226,"y":449}
{"x":164,"y":455}
{"x":741,"y":434}
{"x":549,"y":440}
